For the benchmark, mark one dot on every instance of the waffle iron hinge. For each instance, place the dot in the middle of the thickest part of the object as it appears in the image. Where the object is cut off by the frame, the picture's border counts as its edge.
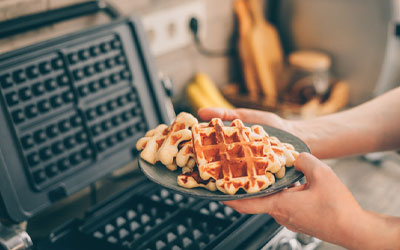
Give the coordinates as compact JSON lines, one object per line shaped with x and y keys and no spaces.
{"x":14,"y":237}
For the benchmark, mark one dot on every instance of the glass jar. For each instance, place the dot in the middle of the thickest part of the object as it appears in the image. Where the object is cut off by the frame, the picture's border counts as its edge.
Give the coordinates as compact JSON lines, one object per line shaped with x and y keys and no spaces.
{"x":309,"y":75}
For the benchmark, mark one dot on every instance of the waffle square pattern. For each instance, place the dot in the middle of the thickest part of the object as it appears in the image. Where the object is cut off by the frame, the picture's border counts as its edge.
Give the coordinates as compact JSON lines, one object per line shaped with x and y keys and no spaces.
{"x":239,"y":157}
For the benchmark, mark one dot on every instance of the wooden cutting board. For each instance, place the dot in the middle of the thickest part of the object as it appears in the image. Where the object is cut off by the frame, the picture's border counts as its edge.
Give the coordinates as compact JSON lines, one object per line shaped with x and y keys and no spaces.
{"x":245,"y":33}
{"x":266,"y":50}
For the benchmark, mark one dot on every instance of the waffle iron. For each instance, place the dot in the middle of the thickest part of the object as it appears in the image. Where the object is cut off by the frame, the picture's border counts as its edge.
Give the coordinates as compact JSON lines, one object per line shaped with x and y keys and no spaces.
{"x":72,"y":109}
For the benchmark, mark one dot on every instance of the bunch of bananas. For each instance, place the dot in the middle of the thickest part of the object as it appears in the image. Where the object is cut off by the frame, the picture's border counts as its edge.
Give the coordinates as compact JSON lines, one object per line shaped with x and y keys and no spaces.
{"x":202,"y":93}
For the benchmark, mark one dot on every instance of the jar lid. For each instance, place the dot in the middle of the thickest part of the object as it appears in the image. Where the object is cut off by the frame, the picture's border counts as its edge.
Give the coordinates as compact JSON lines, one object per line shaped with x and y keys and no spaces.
{"x":310,"y":60}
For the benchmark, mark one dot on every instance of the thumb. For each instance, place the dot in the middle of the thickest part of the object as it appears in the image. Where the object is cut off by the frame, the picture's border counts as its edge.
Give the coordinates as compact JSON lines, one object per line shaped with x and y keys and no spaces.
{"x":207,"y":114}
{"x":259,"y":205}
{"x":308,"y":164}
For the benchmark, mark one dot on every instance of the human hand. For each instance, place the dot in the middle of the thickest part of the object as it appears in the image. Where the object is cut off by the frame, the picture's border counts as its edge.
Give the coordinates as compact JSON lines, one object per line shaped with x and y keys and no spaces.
{"x":309,"y":133}
{"x":247,"y":115}
{"x":323,"y":207}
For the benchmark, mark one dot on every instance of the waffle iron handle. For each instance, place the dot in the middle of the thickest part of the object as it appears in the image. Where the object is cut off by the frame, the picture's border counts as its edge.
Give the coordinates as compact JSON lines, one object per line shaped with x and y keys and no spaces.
{"x":38,"y":20}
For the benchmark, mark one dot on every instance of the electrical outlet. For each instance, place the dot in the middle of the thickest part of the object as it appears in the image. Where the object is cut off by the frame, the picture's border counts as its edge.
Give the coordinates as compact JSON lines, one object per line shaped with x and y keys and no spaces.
{"x":168,"y":29}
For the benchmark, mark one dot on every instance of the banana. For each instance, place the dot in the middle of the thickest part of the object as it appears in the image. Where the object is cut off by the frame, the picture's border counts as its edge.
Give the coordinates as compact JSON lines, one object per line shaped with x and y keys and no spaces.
{"x":197,"y":98}
{"x":207,"y":86}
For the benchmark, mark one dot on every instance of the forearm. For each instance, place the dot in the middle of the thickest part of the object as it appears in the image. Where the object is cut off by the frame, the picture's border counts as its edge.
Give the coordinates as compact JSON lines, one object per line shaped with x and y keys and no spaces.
{"x":371,"y":231}
{"x":373,"y":126}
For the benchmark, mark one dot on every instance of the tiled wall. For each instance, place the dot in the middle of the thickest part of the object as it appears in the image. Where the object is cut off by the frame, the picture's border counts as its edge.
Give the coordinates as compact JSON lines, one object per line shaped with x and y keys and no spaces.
{"x":180,"y":64}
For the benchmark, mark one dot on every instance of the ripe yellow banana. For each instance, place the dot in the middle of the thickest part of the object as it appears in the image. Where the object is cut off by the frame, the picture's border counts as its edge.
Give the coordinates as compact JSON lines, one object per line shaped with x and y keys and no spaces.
{"x":208,"y":88}
{"x":197,"y":98}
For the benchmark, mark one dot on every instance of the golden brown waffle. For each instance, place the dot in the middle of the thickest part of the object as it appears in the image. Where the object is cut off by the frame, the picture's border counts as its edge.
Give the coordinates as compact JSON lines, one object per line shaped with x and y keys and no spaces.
{"x":161,"y":143}
{"x":229,"y":158}
{"x":185,"y":157}
{"x":285,"y":153}
{"x":236,"y":156}
{"x":193,"y":180}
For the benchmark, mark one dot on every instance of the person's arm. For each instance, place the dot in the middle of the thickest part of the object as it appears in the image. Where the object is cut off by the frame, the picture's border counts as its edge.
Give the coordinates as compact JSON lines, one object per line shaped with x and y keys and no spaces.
{"x":325,"y":208}
{"x":373,"y":126}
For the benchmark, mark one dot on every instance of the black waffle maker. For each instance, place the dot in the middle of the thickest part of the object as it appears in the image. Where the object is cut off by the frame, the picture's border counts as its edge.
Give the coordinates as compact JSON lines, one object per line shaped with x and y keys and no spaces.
{"x":72,"y":109}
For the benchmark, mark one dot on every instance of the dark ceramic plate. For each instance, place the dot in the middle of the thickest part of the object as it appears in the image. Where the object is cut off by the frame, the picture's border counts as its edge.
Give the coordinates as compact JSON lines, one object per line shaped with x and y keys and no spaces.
{"x":161,"y":175}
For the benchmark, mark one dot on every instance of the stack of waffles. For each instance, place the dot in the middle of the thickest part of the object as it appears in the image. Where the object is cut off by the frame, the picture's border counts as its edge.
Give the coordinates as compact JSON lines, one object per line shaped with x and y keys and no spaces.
{"x":218,"y":157}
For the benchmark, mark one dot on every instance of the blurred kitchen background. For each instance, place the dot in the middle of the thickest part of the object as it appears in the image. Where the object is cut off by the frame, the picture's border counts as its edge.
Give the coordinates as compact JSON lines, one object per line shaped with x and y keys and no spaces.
{"x":334,"y":54}
{"x":358,"y":37}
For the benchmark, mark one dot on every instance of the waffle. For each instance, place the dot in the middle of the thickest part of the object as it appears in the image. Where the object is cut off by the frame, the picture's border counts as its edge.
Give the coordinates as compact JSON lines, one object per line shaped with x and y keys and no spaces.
{"x":286,"y":155}
{"x":161,"y":143}
{"x":193,"y":180}
{"x":228,"y":158}
{"x":237,"y":157}
{"x":185,"y":157}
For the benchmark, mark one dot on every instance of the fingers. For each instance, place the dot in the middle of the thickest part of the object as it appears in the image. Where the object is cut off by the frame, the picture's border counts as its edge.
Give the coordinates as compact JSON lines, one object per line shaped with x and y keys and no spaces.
{"x":271,"y":204}
{"x":246,"y":115}
{"x":296,"y":188}
{"x":306,"y":163}
{"x":260,"y":117}
{"x":252,"y":206}
{"x":207,"y":114}
{"x":259,"y":205}
{"x":310,"y":166}
{"x":297,"y":183}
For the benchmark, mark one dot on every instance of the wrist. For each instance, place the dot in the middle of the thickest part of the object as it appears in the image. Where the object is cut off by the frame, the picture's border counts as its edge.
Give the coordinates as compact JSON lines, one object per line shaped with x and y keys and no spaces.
{"x":308,"y":133}
{"x":368,"y":230}
{"x":323,"y":135}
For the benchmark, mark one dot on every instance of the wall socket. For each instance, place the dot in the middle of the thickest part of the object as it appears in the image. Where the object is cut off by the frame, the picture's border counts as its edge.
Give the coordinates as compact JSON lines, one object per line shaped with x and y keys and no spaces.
{"x":168,"y":29}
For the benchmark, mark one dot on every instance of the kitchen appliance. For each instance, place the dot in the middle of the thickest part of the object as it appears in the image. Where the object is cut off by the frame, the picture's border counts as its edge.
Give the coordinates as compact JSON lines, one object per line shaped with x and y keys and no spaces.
{"x":72,"y":109}
{"x":359,"y":35}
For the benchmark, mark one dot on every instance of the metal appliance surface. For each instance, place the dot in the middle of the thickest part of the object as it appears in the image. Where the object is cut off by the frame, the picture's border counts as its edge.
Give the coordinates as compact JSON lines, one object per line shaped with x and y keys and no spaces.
{"x":14,"y":237}
{"x":359,"y":35}
{"x":288,"y":240}
{"x":72,"y":109}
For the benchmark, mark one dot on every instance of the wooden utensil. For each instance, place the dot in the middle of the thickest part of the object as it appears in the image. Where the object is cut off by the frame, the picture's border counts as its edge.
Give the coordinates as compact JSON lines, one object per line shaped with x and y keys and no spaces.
{"x":272,"y":43}
{"x":338,"y":99}
{"x":266,"y":50}
{"x":245,"y":31}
